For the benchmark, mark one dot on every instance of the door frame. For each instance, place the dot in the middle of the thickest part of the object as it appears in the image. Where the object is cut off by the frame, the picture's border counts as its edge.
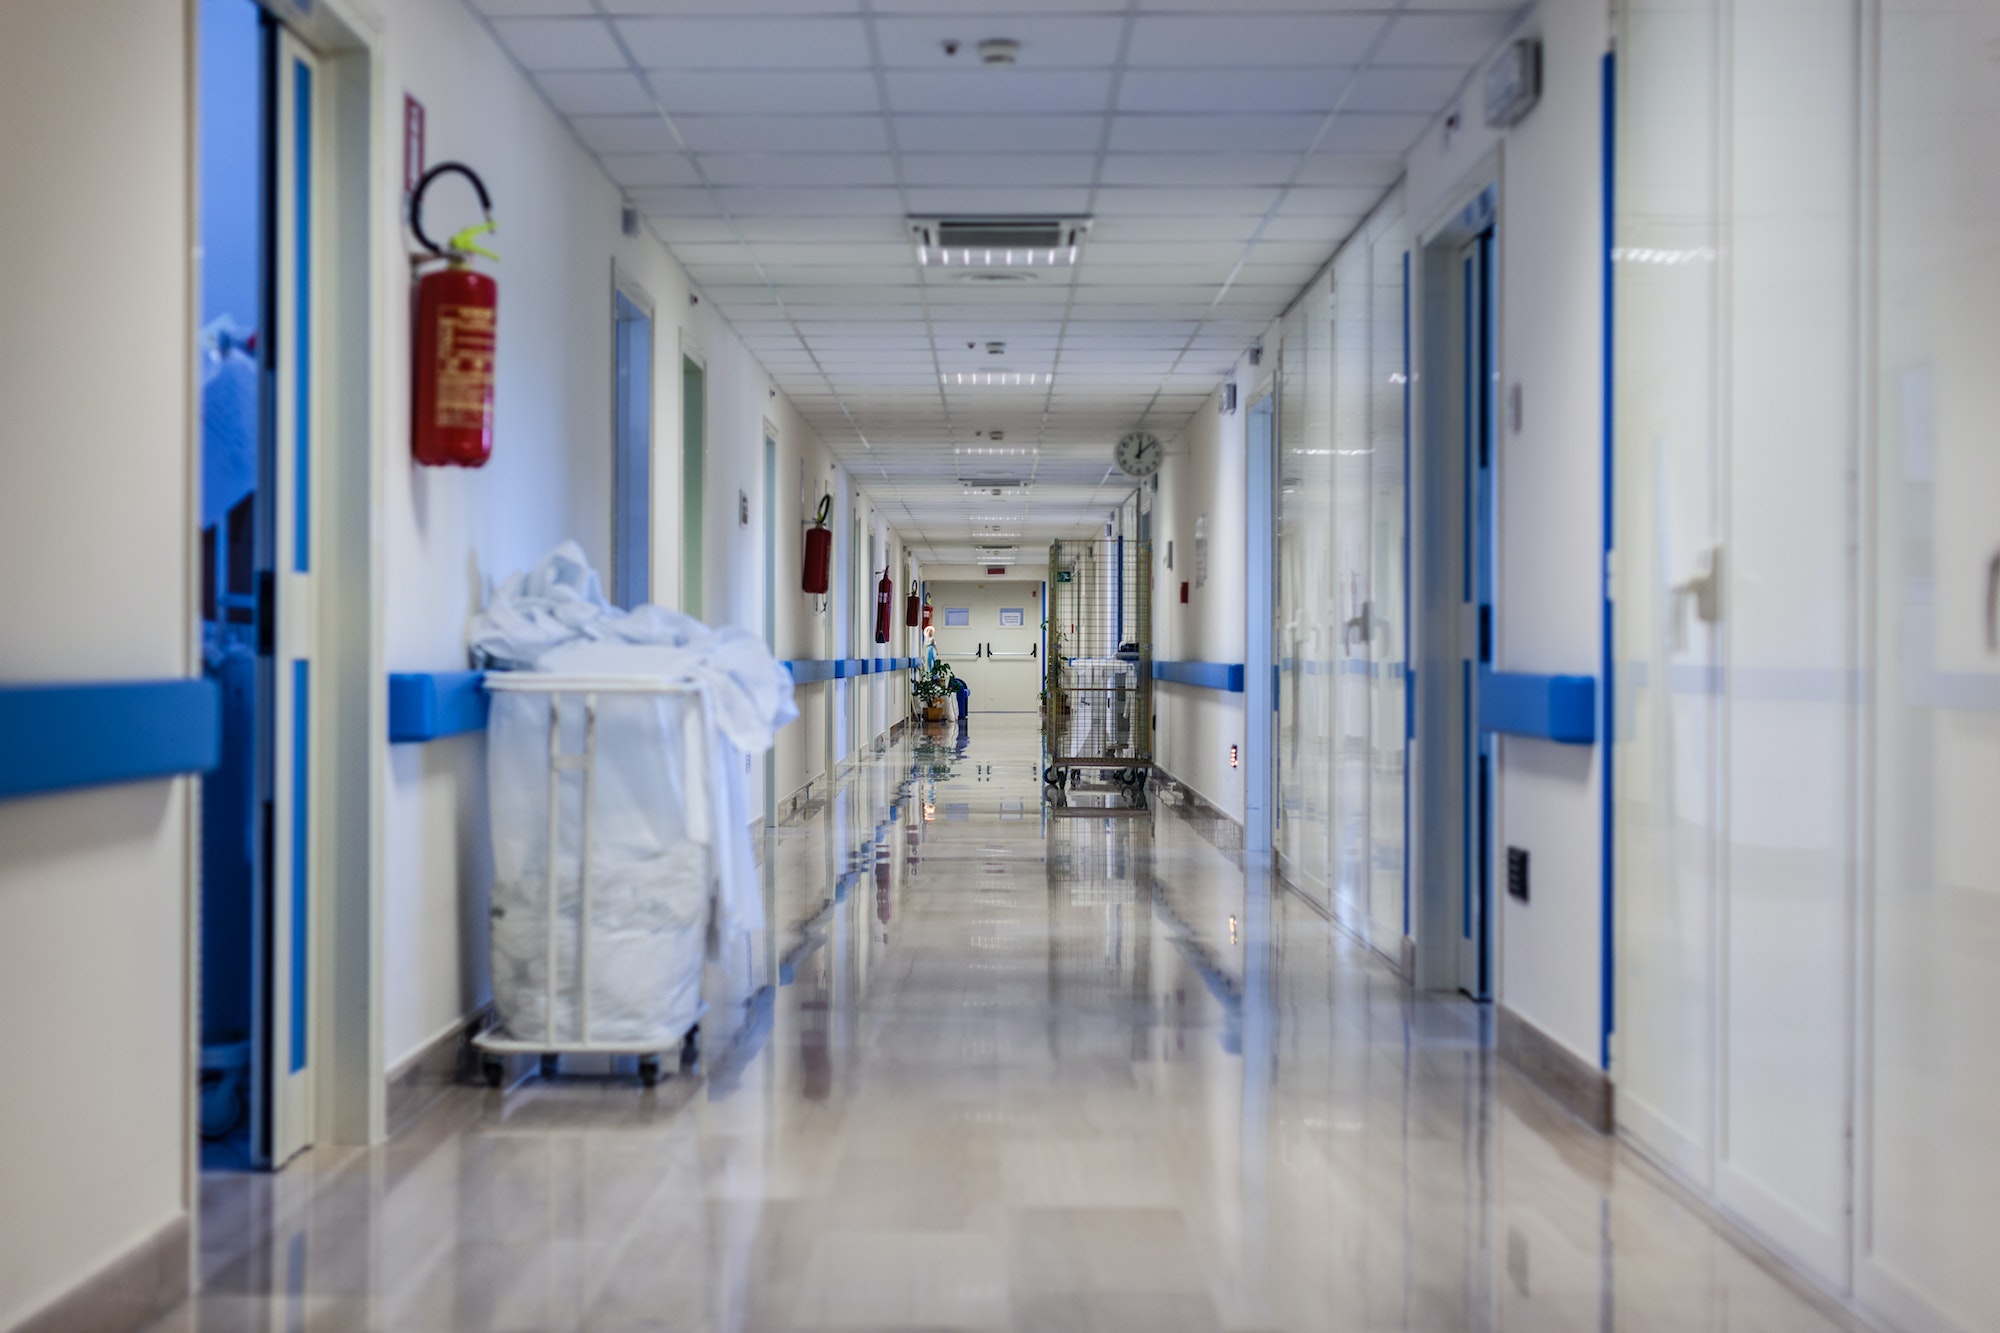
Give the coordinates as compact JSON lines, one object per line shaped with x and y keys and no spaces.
{"x":1450,"y":578}
{"x":347,"y":716}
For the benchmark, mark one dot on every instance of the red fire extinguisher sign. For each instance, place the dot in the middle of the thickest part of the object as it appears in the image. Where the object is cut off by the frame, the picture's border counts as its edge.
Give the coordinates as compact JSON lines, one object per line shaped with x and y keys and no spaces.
{"x":456,"y":338}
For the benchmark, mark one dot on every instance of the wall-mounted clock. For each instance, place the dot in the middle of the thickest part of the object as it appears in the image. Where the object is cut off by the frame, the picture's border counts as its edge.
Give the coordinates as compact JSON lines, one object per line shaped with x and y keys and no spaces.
{"x":1139,"y":453}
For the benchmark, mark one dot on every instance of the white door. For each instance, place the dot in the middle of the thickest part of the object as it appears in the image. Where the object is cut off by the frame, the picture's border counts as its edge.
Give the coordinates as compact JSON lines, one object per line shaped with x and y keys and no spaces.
{"x":287,"y":957}
{"x":1928,"y":1199}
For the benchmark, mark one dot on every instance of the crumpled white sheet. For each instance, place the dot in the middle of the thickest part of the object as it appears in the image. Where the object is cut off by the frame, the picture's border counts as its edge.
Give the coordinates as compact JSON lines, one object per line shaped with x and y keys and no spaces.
{"x":554,"y":618}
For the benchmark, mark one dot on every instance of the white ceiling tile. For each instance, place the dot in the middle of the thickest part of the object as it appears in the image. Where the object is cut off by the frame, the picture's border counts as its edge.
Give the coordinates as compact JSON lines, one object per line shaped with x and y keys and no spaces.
{"x":1380,"y":170}
{"x":640,"y":170}
{"x":596,"y":93}
{"x":980,"y":200}
{"x":765,"y":92}
{"x":834,"y":201}
{"x":624,"y":134}
{"x":1066,"y":133}
{"x":1410,"y":88}
{"x":524,"y":8}
{"x":675,"y":201}
{"x":746,"y":43}
{"x":999,"y":90}
{"x":560,"y":43}
{"x":1234,"y":91}
{"x":1218,"y":133}
{"x":1252,"y":40}
{"x":727,"y":7}
{"x":1329,"y":201}
{"x":1047,"y":42}
{"x":1025,"y":169}
{"x":1370,"y":132}
{"x":1442,"y":39}
{"x":850,"y":133}
{"x":1201,"y":170}
{"x":1253,"y":201}
{"x":1116,"y":232}
{"x":790,"y":169}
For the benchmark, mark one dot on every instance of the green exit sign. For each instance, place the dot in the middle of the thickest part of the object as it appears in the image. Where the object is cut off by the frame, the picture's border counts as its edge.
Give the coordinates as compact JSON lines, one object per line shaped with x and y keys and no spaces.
{"x":1065,"y":575}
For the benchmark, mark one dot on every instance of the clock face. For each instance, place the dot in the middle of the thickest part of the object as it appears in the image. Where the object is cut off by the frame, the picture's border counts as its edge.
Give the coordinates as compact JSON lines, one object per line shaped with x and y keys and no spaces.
{"x":1140,"y":453}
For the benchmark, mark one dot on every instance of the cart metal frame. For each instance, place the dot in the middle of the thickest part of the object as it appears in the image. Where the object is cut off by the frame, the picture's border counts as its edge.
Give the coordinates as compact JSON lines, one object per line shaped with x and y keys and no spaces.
{"x":1099,"y":710}
{"x":492,"y":1047}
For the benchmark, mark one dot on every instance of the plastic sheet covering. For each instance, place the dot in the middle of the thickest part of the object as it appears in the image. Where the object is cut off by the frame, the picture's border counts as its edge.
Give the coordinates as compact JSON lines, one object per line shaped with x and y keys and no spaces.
{"x":651,"y":843}
{"x":671,"y":813}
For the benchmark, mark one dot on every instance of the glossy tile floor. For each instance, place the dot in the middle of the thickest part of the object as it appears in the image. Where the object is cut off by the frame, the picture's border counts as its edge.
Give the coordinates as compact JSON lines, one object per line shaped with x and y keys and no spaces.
{"x":1019,"y":1071}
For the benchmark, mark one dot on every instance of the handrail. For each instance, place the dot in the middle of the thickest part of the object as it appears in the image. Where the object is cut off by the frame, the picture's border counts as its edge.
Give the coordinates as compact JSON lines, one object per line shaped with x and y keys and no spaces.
{"x":72,"y":735}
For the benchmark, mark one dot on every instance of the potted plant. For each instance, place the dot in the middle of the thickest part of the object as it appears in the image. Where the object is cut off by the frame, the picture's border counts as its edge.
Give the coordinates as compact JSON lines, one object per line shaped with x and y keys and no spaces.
{"x":929,"y":688}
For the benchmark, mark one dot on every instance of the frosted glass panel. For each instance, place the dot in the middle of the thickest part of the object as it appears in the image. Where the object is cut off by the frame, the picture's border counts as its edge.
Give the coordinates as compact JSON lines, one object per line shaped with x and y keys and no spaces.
{"x":1340,"y":596}
{"x":1931,"y":1139}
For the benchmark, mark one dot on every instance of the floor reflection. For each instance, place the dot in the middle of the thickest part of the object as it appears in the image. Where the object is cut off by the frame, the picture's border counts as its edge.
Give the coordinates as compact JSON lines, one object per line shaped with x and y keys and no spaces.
{"x":999,"y":1068}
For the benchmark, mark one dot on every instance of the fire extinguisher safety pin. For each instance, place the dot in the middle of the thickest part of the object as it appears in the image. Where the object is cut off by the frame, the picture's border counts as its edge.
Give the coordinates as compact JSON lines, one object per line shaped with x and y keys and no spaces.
{"x":462,"y":243}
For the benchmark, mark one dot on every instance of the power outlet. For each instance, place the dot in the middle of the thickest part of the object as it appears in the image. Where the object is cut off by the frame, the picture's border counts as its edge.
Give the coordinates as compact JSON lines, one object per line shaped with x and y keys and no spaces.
{"x":1517,"y":873}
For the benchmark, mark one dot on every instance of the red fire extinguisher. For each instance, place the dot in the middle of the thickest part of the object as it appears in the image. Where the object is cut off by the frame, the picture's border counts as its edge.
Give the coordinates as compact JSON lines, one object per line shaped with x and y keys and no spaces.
{"x":913,"y":610}
{"x":927,"y":615}
{"x":885,"y":601}
{"x":457,"y":328}
{"x":819,"y":552}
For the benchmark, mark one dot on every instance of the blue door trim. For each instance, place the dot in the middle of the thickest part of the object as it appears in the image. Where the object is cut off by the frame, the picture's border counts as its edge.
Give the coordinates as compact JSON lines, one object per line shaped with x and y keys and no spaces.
{"x":302,"y":126}
{"x":301,"y":791}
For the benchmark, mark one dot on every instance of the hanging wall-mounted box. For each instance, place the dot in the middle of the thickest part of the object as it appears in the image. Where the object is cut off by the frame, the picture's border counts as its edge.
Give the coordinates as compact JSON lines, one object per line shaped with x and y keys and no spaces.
{"x":1513,"y":83}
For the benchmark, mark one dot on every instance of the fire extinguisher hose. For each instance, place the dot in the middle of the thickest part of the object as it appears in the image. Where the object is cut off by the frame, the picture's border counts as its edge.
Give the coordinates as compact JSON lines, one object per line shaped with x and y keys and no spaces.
{"x":825,"y":510}
{"x":461,"y":243}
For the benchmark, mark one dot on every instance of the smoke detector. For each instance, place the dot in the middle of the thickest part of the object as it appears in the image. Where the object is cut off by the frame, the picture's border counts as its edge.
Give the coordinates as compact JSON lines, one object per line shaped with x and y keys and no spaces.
{"x":999,"y":51}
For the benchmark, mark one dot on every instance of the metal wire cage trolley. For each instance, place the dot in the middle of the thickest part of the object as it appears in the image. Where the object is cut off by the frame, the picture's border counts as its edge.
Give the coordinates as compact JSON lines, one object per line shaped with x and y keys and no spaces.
{"x":1099,"y":714}
{"x":603,"y":892}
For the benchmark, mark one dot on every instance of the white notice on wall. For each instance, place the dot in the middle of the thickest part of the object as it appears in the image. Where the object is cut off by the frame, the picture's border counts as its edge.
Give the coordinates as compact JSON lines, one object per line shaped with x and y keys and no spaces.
{"x":1201,"y":552}
{"x":1011,"y":617}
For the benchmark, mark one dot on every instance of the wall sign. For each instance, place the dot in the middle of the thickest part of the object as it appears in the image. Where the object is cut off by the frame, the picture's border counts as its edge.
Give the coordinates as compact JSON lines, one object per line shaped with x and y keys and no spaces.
{"x":1012,"y":617}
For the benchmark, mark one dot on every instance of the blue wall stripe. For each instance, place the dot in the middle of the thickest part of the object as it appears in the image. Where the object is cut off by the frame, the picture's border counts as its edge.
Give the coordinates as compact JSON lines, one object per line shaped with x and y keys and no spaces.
{"x":301,"y":770}
{"x":92,"y":734}
{"x":1608,"y":975}
{"x":302,"y":125}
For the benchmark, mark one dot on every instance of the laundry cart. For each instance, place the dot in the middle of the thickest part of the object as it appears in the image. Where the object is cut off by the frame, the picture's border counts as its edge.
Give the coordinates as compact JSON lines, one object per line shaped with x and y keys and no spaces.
{"x":1098,"y":724}
{"x":604,"y":868}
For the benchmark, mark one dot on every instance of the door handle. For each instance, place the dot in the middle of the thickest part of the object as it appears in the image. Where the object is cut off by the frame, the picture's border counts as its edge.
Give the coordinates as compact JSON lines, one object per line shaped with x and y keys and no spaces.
{"x":1993,"y":604}
{"x":1704,"y":589}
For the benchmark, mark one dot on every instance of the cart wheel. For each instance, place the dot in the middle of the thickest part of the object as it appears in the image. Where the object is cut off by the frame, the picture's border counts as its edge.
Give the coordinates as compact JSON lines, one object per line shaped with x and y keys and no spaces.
{"x":549,"y":1066}
{"x":493,"y":1069}
{"x":649,"y":1070}
{"x":691,"y":1049}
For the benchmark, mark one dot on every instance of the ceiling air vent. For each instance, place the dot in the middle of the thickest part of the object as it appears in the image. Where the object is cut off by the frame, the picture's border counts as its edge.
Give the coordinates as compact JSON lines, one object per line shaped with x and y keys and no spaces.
{"x":1016,"y":245}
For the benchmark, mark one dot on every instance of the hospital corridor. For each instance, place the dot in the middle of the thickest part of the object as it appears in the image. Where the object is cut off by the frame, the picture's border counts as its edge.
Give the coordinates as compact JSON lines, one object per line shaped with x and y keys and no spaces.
{"x":1077,"y":666}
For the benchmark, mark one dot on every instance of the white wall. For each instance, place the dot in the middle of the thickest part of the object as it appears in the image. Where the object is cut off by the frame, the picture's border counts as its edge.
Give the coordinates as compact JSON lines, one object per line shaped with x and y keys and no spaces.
{"x":1549,"y":497}
{"x":1204,"y":475}
{"x":96,"y":508}
{"x":451,"y":535}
